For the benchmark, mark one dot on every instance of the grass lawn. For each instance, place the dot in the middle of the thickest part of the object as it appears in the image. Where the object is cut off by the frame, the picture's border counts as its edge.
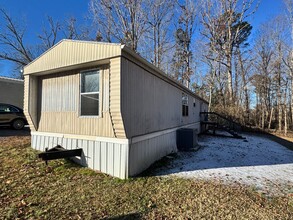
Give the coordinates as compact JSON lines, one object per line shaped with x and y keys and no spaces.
{"x":62,"y":190}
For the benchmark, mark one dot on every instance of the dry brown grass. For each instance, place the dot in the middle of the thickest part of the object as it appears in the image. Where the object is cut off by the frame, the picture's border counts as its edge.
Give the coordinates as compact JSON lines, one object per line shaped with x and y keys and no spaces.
{"x":62,"y":190}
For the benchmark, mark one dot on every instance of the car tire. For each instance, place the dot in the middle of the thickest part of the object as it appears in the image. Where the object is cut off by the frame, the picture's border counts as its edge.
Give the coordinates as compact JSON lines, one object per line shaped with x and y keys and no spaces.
{"x":18,"y":124}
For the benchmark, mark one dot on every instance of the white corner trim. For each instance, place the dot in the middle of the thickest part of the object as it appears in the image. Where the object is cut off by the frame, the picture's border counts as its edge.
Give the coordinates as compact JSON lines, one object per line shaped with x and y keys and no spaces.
{"x":159,"y":133}
{"x":82,"y":137}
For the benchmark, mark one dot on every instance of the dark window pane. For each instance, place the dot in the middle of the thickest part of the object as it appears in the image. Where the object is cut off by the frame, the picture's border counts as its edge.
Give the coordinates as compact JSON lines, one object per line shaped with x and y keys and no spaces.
{"x":90,"y":82}
{"x":183,"y":110}
{"x":89,"y":104}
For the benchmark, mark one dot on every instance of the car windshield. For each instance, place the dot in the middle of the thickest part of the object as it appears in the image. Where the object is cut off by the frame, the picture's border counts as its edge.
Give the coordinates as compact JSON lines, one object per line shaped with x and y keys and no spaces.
{"x":7,"y":108}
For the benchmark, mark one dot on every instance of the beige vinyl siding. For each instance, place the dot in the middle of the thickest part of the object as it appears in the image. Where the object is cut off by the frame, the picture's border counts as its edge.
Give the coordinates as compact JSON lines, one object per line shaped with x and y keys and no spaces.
{"x":145,"y":150}
{"x":59,"y":108}
{"x":115,"y":97}
{"x":151,"y":104}
{"x":106,"y":90}
{"x":142,"y":154}
{"x":26,"y":95}
{"x":134,"y":57}
{"x":60,"y":92}
{"x":27,"y":100}
{"x":69,"y":53}
{"x":31,"y":101}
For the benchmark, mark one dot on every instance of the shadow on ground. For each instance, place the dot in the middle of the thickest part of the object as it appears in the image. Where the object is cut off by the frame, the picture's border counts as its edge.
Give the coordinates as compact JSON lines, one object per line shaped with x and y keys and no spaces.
{"x":7,"y":132}
{"x":125,"y":217}
{"x":282,"y":141}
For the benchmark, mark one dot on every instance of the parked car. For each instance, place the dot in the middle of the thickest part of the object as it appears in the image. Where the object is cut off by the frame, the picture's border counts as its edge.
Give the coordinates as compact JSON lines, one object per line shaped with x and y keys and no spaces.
{"x":13,"y":116}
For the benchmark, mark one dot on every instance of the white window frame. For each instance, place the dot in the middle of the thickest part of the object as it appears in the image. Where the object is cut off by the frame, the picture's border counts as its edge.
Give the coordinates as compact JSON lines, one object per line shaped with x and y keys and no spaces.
{"x":99,"y":93}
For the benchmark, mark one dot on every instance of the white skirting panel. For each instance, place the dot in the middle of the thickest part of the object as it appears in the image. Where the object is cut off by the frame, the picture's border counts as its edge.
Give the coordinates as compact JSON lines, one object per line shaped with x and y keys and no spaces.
{"x":103,"y":155}
{"x":144,"y":153}
{"x":121,"y":158}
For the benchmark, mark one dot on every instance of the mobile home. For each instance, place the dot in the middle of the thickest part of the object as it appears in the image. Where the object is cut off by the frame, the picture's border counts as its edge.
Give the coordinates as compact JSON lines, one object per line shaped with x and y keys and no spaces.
{"x":104,"y":98}
{"x":11,"y":91}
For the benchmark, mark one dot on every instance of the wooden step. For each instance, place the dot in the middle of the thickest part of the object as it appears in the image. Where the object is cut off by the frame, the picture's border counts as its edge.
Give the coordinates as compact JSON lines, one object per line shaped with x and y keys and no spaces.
{"x":209,"y":122}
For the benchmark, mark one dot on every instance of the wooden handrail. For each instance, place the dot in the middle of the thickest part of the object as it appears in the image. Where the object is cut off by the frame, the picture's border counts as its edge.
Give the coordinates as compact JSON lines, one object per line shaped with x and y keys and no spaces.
{"x":221,"y":116}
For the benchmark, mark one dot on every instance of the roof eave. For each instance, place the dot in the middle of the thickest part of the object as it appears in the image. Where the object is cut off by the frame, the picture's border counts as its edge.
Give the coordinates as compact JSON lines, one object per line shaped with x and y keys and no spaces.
{"x":72,"y":67}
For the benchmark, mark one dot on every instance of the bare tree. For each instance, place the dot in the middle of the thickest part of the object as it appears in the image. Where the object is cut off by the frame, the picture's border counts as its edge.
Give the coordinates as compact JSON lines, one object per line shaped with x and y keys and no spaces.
{"x":270,"y":79}
{"x":289,"y":8}
{"x":15,"y":49}
{"x":158,"y":14}
{"x":263,"y":62}
{"x":121,"y":21}
{"x":13,"y":46}
{"x":285,"y":108}
{"x":226,"y":29}
{"x":289,"y":61}
{"x":182,"y":58}
{"x":74,"y":31}
{"x":278,"y":43}
{"x":244,"y":68}
{"x":49,"y":35}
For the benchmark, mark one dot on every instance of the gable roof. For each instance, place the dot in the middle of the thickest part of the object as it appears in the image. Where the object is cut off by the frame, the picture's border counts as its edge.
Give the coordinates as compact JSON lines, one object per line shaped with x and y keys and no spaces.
{"x":68,"y":53}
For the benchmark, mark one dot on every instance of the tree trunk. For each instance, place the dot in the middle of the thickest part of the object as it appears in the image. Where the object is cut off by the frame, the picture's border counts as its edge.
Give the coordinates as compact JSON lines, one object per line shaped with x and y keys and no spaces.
{"x":280,"y":117}
{"x":270,"y":120}
{"x":229,"y":79}
{"x":285,"y":111}
{"x":244,"y":83}
{"x":159,"y":47}
{"x":210,"y":98}
{"x":285,"y":120}
{"x":291,"y":106}
{"x":262,"y":115}
{"x":155,"y":47}
{"x":279,"y":94}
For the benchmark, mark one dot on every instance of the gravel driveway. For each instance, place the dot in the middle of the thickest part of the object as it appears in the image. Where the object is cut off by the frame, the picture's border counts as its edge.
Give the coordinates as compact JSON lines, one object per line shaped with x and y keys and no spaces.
{"x":6,"y":132}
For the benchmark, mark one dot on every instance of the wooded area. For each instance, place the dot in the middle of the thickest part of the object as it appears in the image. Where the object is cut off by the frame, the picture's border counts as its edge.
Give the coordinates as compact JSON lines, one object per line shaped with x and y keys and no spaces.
{"x":205,"y":44}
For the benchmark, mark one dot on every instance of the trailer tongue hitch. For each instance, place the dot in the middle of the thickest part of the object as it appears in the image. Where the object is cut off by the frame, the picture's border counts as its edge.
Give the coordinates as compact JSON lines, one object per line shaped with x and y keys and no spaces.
{"x":59,"y":152}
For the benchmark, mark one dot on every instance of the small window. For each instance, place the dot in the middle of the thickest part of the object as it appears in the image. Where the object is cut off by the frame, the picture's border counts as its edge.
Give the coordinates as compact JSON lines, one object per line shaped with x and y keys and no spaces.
{"x":89,"y":93}
{"x":184,"y":105}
